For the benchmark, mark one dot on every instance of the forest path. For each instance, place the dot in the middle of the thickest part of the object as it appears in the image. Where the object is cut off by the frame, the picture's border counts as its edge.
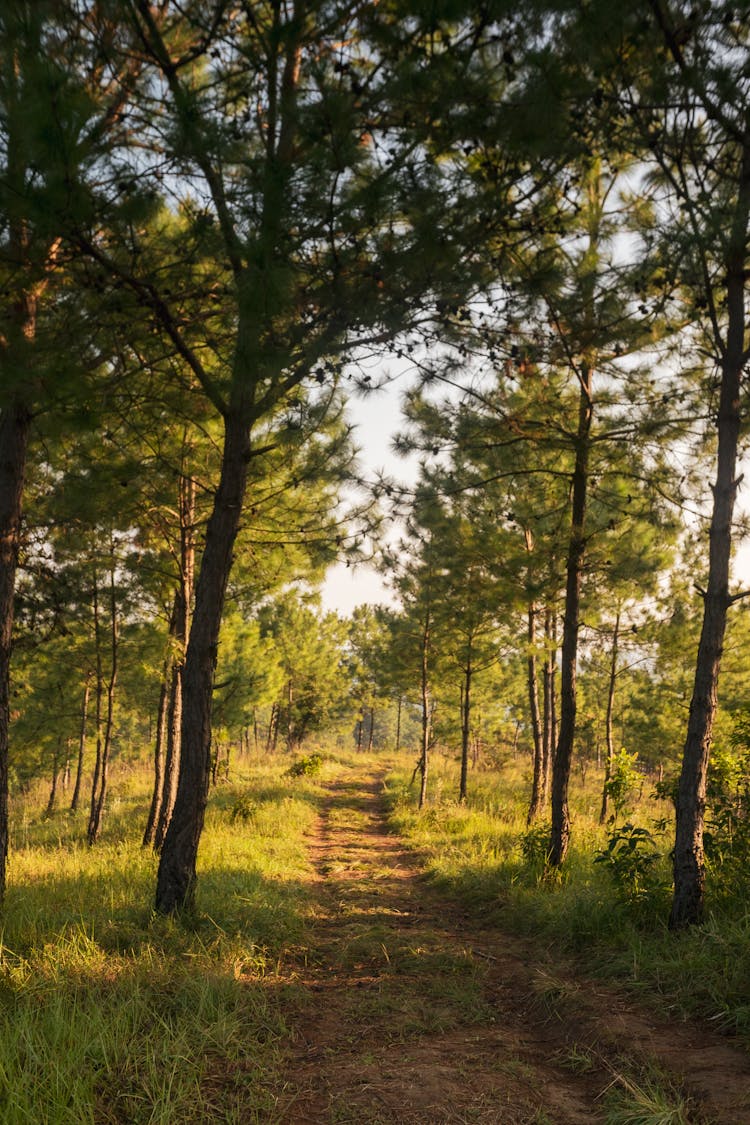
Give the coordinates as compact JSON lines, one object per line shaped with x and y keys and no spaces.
{"x":412,"y":1013}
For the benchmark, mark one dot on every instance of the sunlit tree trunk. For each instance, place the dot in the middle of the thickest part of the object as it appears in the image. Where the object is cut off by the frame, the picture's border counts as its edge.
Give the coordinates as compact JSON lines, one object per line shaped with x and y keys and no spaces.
{"x":609,"y":718}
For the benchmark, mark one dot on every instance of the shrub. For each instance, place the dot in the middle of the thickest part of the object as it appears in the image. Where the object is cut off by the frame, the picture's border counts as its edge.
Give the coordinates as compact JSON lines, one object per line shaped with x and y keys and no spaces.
{"x":630,"y":857}
{"x":308,"y":766}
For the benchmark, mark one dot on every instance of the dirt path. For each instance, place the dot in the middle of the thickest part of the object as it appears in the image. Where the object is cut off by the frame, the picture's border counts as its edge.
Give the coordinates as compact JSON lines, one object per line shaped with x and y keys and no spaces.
{"x":416,"y":1015}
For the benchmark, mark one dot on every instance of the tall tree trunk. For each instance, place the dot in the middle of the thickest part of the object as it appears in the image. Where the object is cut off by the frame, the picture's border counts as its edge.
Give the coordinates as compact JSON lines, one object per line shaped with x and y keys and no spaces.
{"x":171,"y":775}
{"x":168,"y":737}
{"x":149,"y":832}
{"x":532,"y":678}
{"x":560,"y":837}
{"x":175,"y":886}
{"x":15,"y":422}
{"x":398,"y":723}
{"x":426,"y":712}
{"x":608,"y":724}
{"x":98,"y":699}
{"x":465,"y":729}
{"x":549,"y":732}
{"x":272,"y":723}
{"x":52,"y":802}
{"x":99,"y":797}
{"x":371,"y":733}
{"x":688,"y":862}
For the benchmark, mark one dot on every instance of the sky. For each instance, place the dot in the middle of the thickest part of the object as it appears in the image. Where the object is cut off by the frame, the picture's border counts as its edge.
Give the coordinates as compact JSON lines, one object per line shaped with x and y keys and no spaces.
{"x":377,"y":418}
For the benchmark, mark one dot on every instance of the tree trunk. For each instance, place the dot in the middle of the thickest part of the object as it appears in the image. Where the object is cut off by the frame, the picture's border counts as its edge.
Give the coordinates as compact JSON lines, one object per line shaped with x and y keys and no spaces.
{"x":689,"y":873}
{"x":560,"y":838}
{"x":371,"y":733}
{"x":608,"y":725}
{"x":176,"y":878}
{"x":15,"y":421}
{"x":465,"y":730}
{"x":52,"y":802}
{"x":149,"y":833}
{"x":537,"y":785}
{"x":398,"y":724}
{"x":98,"y":697}
{"x":426,"y":713}
{"x":549,"y":732}
{"x":168,"y":738}
{"x":99,"y":798}
{"x":272,"y":723}
{"x":171,"y":774}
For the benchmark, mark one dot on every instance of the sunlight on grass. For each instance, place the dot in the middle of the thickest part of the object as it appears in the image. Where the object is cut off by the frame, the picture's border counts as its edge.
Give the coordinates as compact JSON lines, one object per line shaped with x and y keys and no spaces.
{"x":112,"y":1014}
{"x":476,"y":853}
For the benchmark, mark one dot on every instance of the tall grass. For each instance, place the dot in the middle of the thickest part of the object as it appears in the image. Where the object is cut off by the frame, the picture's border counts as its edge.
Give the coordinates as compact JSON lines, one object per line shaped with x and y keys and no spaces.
{"x":483,"y":854}
{"x":109,"y":1013}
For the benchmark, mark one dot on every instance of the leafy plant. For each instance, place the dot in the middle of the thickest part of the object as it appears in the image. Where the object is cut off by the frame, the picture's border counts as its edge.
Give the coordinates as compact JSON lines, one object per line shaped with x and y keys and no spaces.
{"x":309,"y":766}
{"x":535,"y":847}
{"x":244,"y":809}
{"x":624,"y":779}
{"x":630,"y":857}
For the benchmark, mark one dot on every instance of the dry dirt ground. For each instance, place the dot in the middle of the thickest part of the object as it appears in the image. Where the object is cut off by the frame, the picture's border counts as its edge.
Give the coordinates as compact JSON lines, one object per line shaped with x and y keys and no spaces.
{"x":411,"y":1012}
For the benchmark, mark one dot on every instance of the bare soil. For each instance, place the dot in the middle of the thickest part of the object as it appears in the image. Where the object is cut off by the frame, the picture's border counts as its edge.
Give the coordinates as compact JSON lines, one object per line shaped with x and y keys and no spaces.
{"x":409,"y":1012}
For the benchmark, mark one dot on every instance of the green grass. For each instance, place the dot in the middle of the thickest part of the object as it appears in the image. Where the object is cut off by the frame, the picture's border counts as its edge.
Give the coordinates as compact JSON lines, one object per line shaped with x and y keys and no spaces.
{"x":476,"y":854}
{"x":109,"y":1013}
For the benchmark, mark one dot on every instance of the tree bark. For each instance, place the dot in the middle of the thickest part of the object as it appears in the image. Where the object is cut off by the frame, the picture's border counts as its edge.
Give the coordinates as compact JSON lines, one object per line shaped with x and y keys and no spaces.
{"x":175,"y":888}
{"x":608,"y":724}
{"x":99,"y":794}
{"x":465,"y":730}
{"x":688,"y":862}
{"x":52,"y":802}
{"x":426,"y":712}
{"x":398,"y":723}
{"x":549,"y":732}
{"x":537,"y":785}
{"x":169,"y":727}
{"x":15,"y":422}
{"x":560,"y":838}
{"x":170,"y":778}
{"x":149,"y":832}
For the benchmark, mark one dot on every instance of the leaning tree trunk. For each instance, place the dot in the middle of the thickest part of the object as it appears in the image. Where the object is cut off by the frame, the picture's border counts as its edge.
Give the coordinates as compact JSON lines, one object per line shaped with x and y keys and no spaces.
{"x":175,"y":887}
{"x":560,"y":837}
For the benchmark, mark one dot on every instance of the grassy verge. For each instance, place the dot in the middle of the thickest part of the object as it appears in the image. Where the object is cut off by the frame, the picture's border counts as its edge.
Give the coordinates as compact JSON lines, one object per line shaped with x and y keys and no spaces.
{"x":483,"y":855}
{"x":111,"y":1014}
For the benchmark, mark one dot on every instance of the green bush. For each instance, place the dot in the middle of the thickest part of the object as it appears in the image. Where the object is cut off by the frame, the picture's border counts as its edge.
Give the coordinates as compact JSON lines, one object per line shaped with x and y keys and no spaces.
{"x":630,"y":857}
{"x":308,"y":766}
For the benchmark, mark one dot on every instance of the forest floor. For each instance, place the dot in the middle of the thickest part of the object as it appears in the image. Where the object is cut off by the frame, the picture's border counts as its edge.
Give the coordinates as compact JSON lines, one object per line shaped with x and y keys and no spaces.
{"x":407,"y":1010}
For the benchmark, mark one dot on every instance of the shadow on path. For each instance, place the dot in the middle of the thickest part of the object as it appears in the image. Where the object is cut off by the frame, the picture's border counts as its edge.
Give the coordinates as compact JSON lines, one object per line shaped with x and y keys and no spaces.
{"x":415,"y":1015}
